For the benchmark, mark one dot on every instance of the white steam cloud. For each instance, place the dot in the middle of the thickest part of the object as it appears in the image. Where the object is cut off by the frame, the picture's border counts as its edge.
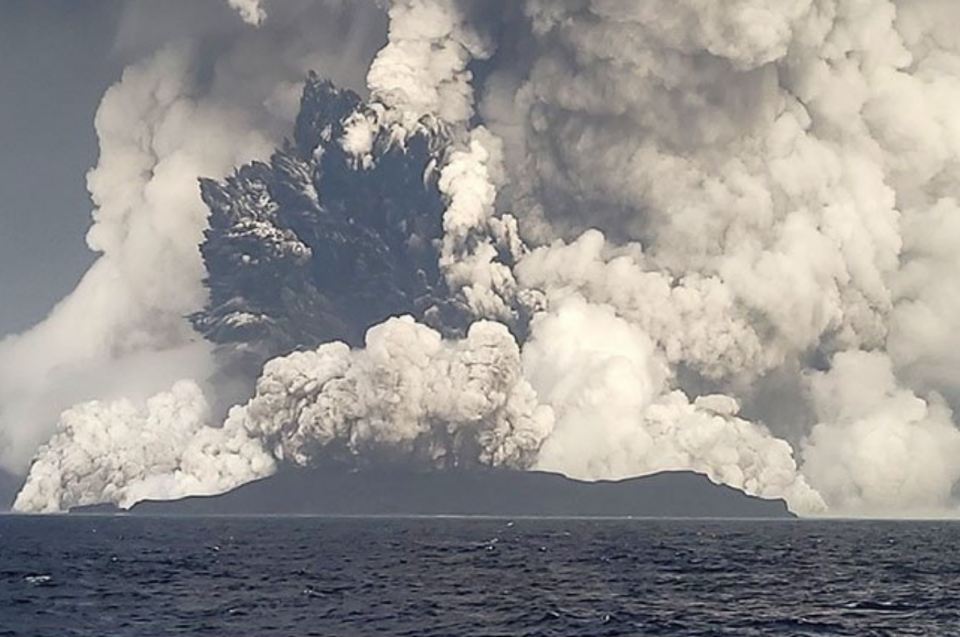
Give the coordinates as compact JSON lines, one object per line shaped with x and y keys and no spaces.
{"x":408,"y":394}
{"x":705,"y":207}
{"x":119,"y":452}
{"x":617,"y":418}
{"x":422,"y":70}
{"x":775,"y":184}
{"x":878,"y":446}
{"x":250,"y":10}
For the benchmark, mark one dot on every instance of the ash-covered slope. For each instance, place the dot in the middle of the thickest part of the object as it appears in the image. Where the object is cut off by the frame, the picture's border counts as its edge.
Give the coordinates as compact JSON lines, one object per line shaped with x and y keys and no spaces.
{"x":397,"y":491}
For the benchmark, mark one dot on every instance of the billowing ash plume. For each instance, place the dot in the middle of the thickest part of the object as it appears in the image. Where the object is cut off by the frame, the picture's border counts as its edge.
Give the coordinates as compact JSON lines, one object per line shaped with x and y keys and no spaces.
{"x":308,"y":249}
{"x":409,"y":395}
{"x":119,"y":452}
{"x":879,"y":445}
{"x":422,"y":75}
{"x":173,"y":116}
{"x":617,"y":417}
{"x":250,"y":10}
{"x":631,"y":237}
{"x":754,"y":155}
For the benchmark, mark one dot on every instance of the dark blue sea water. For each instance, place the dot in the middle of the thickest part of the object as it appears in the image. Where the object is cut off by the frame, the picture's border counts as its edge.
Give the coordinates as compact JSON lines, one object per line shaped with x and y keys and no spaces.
{"x":150,"y":577}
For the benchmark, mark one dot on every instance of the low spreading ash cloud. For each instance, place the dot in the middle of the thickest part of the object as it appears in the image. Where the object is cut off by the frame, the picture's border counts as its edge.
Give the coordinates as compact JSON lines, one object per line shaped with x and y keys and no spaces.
{"x":407,"y":396}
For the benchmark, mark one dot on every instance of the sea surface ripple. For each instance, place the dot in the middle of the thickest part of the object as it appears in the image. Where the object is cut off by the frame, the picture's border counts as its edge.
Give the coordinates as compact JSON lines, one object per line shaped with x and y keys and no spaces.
{"x":136,"y":576}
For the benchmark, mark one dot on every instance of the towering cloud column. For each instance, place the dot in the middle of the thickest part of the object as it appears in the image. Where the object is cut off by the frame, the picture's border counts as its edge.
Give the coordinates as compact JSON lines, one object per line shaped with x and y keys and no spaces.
{"x":773,"y":182}
{"x":673,"y":234}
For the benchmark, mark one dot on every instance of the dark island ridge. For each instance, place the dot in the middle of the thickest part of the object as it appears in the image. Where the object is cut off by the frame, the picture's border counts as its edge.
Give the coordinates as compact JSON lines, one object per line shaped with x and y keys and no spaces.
{"x":476,"y":492}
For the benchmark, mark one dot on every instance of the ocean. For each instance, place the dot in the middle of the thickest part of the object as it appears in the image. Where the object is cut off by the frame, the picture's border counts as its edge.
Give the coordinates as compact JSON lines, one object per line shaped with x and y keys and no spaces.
{"x":234,"y":577}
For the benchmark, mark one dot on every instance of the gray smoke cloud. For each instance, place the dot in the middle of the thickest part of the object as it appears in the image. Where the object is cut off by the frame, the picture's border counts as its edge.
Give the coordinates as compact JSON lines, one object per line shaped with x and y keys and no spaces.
{"x":759,"y":171}
{"x":703,"y":206}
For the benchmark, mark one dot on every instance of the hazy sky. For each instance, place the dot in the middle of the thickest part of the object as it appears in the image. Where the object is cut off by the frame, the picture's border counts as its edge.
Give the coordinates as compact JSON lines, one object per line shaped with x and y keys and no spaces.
{"x":56,"y":61}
